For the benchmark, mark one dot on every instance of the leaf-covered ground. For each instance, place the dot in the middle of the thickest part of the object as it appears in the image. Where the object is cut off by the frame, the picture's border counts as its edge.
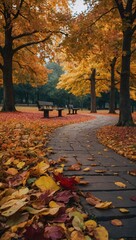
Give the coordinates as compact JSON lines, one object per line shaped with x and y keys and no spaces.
{"x":36,"y":200}
{"x":120,"y":139}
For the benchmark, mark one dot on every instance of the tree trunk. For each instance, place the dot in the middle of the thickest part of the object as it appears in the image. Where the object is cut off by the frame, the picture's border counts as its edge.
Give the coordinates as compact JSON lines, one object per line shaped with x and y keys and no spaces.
{"x":93,"y":93}
{"x":125,"y":117}
{"x":112,"y":89}
{"x":8,"y":95}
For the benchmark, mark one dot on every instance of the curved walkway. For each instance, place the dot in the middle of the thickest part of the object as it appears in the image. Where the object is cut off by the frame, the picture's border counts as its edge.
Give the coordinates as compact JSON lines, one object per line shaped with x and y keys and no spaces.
{"x":78,"y":143}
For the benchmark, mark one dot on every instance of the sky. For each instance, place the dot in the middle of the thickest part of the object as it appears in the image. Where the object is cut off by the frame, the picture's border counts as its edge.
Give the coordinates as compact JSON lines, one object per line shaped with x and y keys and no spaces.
{"x":78,"y":6}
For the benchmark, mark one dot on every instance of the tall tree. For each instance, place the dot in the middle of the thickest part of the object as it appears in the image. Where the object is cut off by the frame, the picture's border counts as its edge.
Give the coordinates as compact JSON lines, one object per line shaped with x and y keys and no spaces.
{"x":127,"y":11}
{"x":27,"y":25}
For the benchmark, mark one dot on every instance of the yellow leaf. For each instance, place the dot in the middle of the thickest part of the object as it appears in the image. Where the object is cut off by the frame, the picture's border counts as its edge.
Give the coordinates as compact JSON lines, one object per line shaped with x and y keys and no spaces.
{"x":20,"y":192}
{"x":77,"y":235}
{"x":41,"y":167}
{"x":120,"y":184}
{"x":59,"y":170}
{"x":12,"y":206}
{"x":46,"y":183}
{"x":53,"y":204}
{"x":123,"y":210}
{"x":86,"y":169}
{"x":91,"y":225}
{"x":20,"y":165}
{"x":103,"y":205}
{"x":36,"y":211}
{"x":10,"y":160}
{"x":100,"y":233}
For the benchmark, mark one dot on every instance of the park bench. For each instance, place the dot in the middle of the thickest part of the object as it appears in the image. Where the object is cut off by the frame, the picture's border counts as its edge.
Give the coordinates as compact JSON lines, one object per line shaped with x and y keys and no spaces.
{"x":46,"y":107}
{"x":72,"y":109}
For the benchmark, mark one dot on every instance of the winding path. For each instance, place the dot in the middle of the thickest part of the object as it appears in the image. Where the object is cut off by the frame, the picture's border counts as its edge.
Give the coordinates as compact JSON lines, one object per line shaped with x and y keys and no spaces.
{"x":78,"y":143}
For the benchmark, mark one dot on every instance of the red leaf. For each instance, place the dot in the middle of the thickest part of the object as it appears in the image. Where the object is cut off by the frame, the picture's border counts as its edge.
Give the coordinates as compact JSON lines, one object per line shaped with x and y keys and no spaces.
{"x":68,"y":183}
{"x":133,"y":198}
{"x":63,"y":196}
{"x":34,"y":232}
{"x":54,"y":233}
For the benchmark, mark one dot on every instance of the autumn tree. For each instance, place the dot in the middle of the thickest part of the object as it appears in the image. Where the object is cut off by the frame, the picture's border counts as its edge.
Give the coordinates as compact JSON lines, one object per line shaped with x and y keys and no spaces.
{"x":27,"y":28}
{"x":127,"y":11}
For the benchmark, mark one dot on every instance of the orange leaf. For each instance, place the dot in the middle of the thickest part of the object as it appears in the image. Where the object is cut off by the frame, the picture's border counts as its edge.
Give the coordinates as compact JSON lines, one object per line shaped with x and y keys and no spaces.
{"x":103,"y":205}
{"x":116,"y":222}
{"x":120,"y":184}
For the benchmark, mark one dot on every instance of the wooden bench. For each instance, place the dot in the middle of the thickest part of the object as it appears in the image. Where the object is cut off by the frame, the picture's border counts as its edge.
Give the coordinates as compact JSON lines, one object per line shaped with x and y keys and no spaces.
{"x":46,"y":107}
{"x":72,"y":109}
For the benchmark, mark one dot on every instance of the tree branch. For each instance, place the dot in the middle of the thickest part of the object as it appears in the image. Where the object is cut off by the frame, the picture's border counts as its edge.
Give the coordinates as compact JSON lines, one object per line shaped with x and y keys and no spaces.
{"x":120,"y":8}
{"x":1,"y":66}
{"x":102,"y":15}
{"x":133,"y":51}
{"x":134,"y":16}
{"x":31,"y":43}
{"x":17,"y":13}
{"x":24,"y":34}
{"x":133,"y":29}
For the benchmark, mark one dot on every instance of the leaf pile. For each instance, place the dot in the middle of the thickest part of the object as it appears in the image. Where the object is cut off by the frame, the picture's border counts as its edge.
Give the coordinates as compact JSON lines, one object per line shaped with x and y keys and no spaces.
{"x":120,"y":139}
{"x":36,"y":200}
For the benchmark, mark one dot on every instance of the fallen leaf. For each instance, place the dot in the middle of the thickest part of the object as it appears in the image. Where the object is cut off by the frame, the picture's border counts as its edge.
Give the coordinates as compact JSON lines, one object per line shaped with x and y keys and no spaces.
{"x":54,"y":232}
{"x":91,"y":199}
{"x":133,"y":198}
{"x":66,"y":182}
{"x":46,"y":183}
{"x":116,"y":222}
{"x":86,"y":169}
{"x":123,"y":210}
{"x":77,"y":235}
{"x":132,"y":172}
{"x":12,"y":206}
{"x":91,"y":225}
{"x":75,"y":167}
{"x":120,"y":184}
{"x":12,"y":171}
{"x":83,"y":182}
{"x":100,"y":171}
{"x":103,"y":205}
{"x":100,"y":233}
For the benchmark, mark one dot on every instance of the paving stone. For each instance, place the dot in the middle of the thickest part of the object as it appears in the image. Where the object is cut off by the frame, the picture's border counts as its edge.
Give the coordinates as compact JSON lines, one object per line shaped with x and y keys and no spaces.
{"x":128,"y":230}
{"x":78,"y":142}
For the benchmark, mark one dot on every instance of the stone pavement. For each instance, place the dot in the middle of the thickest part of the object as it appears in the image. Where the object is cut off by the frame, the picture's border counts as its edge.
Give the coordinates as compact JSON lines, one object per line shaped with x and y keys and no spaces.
{"x":78,"y":143}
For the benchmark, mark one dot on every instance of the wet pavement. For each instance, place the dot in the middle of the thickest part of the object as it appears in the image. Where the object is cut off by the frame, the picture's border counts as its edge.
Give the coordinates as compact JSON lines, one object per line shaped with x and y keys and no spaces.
{"x":78,"y":143}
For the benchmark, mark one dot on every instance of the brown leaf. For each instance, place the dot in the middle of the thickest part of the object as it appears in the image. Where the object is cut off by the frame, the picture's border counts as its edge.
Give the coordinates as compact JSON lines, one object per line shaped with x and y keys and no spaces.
{"x":132,"y":172}
{"x":75,"y":167}
{"x":116,"y":222}
{"x":92,"y":200}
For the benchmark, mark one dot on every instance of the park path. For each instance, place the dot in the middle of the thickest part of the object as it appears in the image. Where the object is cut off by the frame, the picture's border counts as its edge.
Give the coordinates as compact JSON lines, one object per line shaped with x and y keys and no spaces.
{"x":78,"y":143}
